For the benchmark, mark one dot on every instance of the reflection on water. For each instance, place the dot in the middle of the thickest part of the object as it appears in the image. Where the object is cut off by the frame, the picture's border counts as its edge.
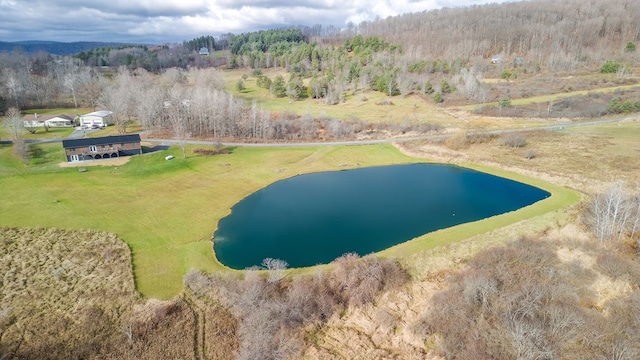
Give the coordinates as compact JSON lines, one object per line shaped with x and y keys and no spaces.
{"x":314,"y":218}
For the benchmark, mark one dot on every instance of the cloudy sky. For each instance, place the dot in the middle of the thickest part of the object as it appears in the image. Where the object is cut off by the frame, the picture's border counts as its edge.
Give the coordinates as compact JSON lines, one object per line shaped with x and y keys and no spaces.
{"x":165,"y":21}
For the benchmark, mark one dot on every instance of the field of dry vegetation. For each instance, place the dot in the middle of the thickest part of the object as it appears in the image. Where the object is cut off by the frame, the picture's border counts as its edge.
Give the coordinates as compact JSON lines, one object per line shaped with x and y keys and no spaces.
{"x":556,"y":292}
{"x":563,"y":285}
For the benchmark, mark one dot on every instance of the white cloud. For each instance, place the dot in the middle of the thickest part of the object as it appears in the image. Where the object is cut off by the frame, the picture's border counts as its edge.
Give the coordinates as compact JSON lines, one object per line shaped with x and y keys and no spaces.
{"x":152,"y":21}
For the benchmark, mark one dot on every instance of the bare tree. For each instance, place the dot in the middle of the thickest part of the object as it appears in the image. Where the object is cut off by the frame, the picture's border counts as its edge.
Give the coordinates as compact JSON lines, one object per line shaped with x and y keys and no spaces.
{"x":15,"y":128}
{"x":15,"y":87}
{"x":118,"y":97}
{"x":276,"y":268}
{"x":609,"y":213}
{"x":128,"y":332}
{"x":89,"y":87}
{"x":178,"y":113}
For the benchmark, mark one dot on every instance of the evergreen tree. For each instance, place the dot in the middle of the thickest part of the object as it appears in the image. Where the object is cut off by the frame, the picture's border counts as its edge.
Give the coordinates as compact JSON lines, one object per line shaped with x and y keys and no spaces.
{"x":278,"y":87}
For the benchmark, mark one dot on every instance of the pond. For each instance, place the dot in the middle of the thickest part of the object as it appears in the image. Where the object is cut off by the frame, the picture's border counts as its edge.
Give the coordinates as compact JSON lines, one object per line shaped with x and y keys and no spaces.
{"x":314,"y":218}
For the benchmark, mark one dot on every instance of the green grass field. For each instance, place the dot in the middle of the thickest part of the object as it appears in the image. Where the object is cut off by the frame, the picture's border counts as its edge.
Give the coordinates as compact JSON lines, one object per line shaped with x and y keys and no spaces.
{"x":167,"y":211}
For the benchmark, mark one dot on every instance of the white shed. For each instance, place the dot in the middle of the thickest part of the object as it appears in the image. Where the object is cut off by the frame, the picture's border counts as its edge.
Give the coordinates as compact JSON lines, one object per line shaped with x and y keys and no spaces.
{"x":100,"y":118}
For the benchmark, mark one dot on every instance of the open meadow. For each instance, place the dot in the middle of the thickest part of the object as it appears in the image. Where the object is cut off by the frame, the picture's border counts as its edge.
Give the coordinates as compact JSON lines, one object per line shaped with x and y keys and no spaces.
{"x":167,"y":211}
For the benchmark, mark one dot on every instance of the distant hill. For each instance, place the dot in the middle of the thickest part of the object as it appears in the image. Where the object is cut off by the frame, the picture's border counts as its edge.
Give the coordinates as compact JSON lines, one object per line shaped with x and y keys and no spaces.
{"x":55,"y":47}
{"x":558,"y":34}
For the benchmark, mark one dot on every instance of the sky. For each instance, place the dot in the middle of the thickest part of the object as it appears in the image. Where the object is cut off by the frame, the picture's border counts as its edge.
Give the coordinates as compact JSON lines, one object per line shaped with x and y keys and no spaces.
{"x":168,"y":21}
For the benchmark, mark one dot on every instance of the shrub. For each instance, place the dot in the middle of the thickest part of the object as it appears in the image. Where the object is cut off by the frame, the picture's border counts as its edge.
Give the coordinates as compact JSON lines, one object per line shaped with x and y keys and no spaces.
{"x":216,"y":151}
{"x":273,"y":315}
{"x":504,"y":102}
{"x":263,"y":82}
{"x":428,"y":87}
{"x":506,"y":74}
{"x":447,"y":88}
{"x":240,"y":85}
{"x":531,"y":154}
{"x":514,"y":140}
{"x":614,"y":106}
{"x":631,"y":47}
{"x":458,"y":141}
{"x":610,"y":67}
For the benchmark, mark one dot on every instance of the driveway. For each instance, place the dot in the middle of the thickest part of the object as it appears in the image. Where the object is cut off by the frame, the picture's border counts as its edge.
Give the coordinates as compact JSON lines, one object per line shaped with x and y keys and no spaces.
{"x":79,"y":132}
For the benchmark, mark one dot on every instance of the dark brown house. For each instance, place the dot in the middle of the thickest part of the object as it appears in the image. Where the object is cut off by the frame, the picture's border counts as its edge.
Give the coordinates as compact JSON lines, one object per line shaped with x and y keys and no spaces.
{"x":106,"y":147}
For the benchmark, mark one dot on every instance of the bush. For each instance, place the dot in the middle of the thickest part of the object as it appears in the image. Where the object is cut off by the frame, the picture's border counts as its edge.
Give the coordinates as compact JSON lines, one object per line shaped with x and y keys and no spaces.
{"x":505,"y":102}
{"x":506,"y":74}
{"x":263,"y":82}
{"x":458,"y":141}
{"x":240,"y":85}
{"x":610,"y":67}
{"x":217,"y":151}
{"x":273,"y":315}
{"x":514,"y":140}
{"x":531,"y":154}
{"x":631,"y":47}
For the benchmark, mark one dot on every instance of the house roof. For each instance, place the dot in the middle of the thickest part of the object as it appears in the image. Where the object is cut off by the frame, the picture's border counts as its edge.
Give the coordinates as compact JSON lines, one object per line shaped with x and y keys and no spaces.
{"x":61,"y":117}
{"x":72,"y":143}
{"x":46,"y":117}
{"x":101,"y":113}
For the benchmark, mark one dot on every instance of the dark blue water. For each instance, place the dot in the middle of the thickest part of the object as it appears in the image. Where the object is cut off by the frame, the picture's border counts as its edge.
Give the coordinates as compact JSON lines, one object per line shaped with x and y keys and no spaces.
{"x":314,"y":218}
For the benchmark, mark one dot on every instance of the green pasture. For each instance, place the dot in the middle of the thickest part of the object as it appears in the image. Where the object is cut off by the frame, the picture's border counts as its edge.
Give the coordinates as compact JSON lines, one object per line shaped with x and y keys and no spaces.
{"x":167,"y":211}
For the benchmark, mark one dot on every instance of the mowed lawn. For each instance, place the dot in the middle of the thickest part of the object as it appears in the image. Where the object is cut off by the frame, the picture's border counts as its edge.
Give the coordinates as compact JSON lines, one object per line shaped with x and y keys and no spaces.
{"x":167,"y":211}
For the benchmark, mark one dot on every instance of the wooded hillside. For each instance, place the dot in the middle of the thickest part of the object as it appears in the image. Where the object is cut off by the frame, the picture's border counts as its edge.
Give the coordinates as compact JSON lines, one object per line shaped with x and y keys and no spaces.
{"x":554,"y":33}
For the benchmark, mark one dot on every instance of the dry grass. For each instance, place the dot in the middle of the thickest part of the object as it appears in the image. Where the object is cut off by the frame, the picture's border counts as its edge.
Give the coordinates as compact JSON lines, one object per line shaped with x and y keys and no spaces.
{"x":583,"y":158}
{"x":63,"y":293}
{"x":70,"y":295}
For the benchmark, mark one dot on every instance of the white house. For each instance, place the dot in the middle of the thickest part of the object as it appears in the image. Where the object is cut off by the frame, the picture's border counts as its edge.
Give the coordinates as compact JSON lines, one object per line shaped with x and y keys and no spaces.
{"x":59,"y":121}
{"x":35,"y":120}
{"x":100,"y":118}
{"x":203,"y":51}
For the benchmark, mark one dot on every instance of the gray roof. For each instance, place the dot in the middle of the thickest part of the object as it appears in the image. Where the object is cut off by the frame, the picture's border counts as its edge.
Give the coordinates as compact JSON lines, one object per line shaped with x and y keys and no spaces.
{"x":73,"y":143}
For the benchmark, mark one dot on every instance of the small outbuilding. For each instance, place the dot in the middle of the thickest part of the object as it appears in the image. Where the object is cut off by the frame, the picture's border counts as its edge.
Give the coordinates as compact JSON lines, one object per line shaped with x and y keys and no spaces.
{"x":204,"y":51}
{"x":100,"y":118}
{"x":106,"y":147}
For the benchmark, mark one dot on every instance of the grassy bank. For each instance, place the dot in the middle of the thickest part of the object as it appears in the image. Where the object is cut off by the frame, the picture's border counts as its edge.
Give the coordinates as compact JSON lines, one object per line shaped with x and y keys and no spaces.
{"x":559,"y":199}
{"x":166,"y":211}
